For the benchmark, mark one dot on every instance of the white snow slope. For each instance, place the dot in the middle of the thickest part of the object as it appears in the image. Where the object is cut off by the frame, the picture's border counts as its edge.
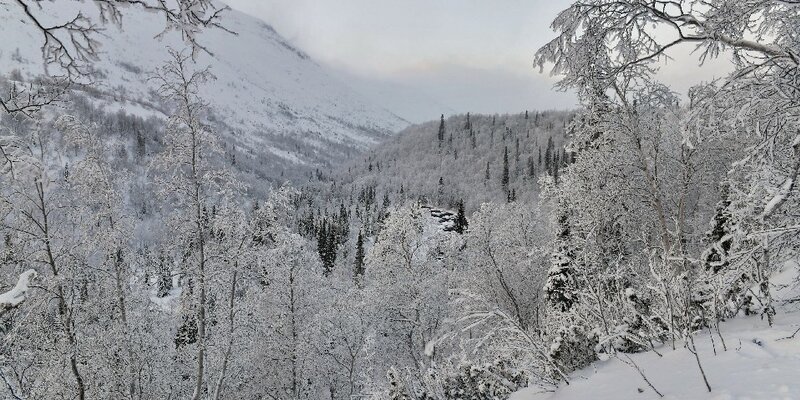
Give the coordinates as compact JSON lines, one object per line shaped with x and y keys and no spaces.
{"x":269,"y":96}
{"x":760,"y":363}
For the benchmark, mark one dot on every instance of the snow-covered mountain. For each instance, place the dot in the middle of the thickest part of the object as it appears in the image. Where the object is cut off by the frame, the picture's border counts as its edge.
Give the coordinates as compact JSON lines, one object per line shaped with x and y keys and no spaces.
{"x":269,"y":97}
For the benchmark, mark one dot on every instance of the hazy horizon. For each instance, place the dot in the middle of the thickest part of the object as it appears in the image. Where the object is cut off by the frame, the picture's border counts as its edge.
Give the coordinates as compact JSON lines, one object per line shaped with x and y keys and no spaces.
{"x":468,"y":56}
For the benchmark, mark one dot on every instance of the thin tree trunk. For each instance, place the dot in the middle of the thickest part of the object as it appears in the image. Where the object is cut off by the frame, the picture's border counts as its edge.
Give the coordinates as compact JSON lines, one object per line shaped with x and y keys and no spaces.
{"x":226,"y":357}
{"x":124,"y":316}
{"x":201,"y":311}
{"x":506,"y":288}
{"x":201,"y":324}
{"x":763,"y":283}
{"x":66,"y":316}
{"x":631,"y":363}
{"x":294,"y":335}
{"x":693,"y":350}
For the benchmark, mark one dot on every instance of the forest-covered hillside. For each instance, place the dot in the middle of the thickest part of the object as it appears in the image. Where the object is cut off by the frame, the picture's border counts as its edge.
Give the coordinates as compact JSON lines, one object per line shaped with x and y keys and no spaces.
{"x":462,"y":158}
{"x":456,"y":163}
{"x":469,"y":158}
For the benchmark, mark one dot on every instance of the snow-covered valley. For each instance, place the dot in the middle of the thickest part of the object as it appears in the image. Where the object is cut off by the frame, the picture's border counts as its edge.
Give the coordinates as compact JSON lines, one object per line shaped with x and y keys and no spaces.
{"x":192,"y":207}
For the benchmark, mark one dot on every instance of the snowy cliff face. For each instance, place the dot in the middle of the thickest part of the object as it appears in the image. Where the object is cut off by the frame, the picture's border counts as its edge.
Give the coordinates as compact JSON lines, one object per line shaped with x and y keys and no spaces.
{"x":270,"y":100}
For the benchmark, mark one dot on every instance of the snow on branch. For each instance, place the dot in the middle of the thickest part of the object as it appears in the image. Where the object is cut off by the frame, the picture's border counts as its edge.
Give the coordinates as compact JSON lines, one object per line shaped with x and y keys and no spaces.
{"x":71,"y":44}
{"x":788,"y":185}
{"x":18,"y":293}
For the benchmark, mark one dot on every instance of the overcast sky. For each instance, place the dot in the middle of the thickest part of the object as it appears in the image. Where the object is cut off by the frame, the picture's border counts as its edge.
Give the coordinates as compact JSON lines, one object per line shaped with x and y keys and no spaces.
{"x":452,"y":55}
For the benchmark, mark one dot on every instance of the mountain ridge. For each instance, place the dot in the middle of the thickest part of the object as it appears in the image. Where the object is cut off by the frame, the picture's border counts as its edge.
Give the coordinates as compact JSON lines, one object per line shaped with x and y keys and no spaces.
{"x":269,"y":98}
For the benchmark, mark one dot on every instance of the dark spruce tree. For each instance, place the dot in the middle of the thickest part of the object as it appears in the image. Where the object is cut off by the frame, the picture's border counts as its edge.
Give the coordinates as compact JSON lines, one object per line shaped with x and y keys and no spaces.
{"x":358,"y":266}
{"x":549,"y":156}
{"x":327,"y":243}
{"x":504,"y":178}
{"x":473,"y":142}
{"x":555,"y":173}
{"x":560,"y":286}
{"x":531,"y":167}
{"x":441,"y":131}
{"x":716,"y":257}
{"x":164,"y":276}
{"x":512,"y":196}
{"x":461,"y":219}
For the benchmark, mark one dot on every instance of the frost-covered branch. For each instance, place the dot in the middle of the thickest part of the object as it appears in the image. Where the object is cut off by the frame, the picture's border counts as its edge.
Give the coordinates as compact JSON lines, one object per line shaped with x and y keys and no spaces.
{"x":788,"y":185}
{"x":19,"y":292}
{"x":70,"y":46}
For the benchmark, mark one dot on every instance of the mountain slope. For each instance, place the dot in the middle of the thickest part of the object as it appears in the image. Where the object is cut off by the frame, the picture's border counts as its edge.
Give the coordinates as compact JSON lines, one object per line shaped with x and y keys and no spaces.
{"x":270,"y":98}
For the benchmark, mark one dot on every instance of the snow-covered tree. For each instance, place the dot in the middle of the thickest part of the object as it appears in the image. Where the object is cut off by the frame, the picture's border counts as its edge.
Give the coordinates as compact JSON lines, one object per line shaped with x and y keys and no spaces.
{"x":406,"y":288}
{"x":643,"y":187}
{"x":200,"y":194}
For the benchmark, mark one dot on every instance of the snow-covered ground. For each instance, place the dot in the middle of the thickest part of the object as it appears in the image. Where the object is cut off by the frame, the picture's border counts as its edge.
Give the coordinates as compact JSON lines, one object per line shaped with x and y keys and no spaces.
{"x":760,"y":363}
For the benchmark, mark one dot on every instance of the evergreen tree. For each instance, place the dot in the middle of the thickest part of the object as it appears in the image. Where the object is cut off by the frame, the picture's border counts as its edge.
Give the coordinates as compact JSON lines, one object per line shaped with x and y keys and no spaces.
{"x":467,"y":125}
{"x":715,"y":258}
{"x":461,"y":218}
{"x":560,"y":286}
{"x":358,"y":268}
{"x":386,"y":202}
{"x":531,"y":167}
{"x":440,"y":191}
{"x":472,"y":138}
{"x":441,"y":131}
{"x":322,"y":241}
{"x":504,"y":177}
{"x":164,"y":284}
{"x":555,"y":173}
{"x":512,"y":196}
{"x":141,"y":145}
{"x":327,"y":244}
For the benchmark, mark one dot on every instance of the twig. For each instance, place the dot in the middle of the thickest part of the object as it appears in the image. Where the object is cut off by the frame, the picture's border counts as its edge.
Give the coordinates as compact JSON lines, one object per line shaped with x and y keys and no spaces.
{"x":790,"y":336}
{"x":693,"y":350}
{"x":633,"y":365}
